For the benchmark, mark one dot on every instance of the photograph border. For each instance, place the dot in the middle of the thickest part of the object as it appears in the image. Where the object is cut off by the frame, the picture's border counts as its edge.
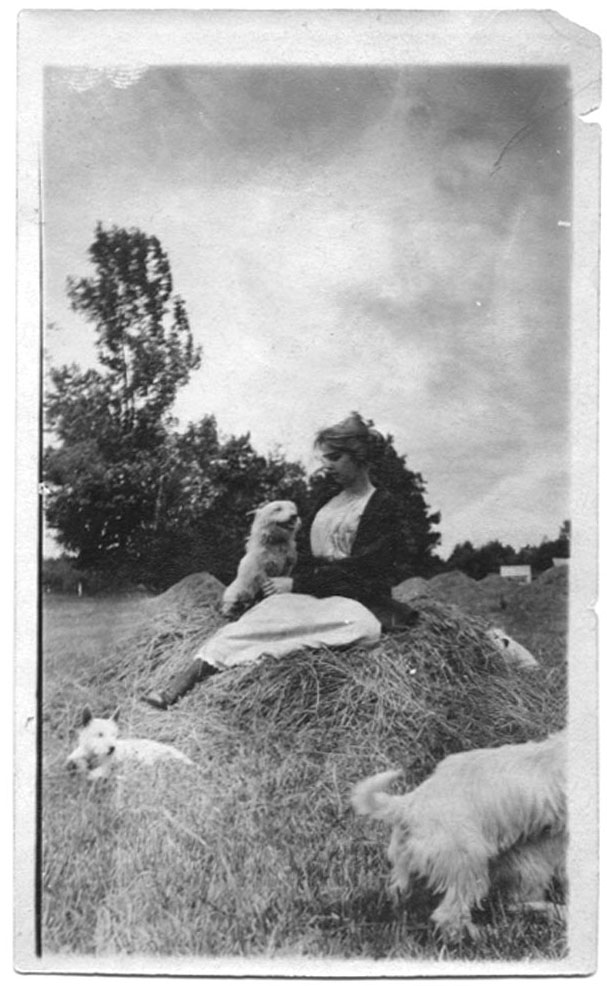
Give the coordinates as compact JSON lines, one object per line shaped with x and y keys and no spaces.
{"x":312,"y":37}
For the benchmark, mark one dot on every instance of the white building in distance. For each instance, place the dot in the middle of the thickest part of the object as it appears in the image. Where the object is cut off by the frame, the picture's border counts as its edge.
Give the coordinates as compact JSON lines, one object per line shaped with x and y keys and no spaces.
{"x":520,"y":573}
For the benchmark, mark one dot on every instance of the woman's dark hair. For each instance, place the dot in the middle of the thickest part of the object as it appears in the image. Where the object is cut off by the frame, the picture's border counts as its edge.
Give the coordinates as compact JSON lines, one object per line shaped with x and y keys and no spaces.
{"x":355,"y":436}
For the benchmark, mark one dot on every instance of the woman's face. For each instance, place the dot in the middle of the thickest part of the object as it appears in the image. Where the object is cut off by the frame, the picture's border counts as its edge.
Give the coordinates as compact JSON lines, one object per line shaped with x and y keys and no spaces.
{"x":342,"y":466}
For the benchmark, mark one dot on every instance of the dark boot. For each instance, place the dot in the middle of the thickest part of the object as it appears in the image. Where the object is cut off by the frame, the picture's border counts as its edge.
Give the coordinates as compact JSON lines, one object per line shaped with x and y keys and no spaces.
{"x":181,"y":683}
{"x":394,"y":615}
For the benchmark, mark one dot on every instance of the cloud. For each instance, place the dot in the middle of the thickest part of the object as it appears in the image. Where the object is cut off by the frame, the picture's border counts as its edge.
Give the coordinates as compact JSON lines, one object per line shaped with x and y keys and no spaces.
{"x":386,"y":241}
{"x":521,"y":508}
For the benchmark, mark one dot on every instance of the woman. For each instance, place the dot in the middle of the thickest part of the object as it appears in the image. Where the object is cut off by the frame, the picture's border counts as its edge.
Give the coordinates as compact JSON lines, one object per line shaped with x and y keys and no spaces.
{"x":340,"y":591}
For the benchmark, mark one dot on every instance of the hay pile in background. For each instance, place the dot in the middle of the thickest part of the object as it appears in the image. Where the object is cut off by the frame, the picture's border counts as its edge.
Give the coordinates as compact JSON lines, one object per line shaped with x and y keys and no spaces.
{"x":535,"y":613}
{"x":458,"y":589}
{"x":200,"y":592}
{"x":500,"y":593}
{"x":411,"y":589}
{"x":177,"y":623}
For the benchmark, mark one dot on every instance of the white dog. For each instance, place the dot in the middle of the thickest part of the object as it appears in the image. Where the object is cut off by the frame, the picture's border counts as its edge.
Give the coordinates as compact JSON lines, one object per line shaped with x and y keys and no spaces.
{"x":100,"y":749}
{"x":512,"y":652}
{"x":270,"y":551}
{"x":491,"y":818}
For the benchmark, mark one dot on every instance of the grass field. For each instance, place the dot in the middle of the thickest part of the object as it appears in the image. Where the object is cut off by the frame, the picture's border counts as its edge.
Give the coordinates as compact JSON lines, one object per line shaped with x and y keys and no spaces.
{"x":255,"y":851}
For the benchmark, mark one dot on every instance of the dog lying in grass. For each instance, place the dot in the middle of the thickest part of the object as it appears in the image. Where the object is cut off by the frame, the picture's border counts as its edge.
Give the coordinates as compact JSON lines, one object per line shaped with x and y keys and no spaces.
{"x":100,"y":750}
{"x":489,"y":818}
{"x":270,"y":552}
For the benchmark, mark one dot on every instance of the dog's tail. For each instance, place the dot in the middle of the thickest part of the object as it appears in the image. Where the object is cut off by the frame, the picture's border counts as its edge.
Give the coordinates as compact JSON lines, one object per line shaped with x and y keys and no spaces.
{"x":369,"y":796}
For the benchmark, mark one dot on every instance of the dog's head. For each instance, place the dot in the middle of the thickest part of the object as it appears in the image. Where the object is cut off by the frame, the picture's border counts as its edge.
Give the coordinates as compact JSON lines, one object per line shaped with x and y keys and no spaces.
{"x":95,"y":754}
{"x":512,"y":652}
{"x":276,"y":518}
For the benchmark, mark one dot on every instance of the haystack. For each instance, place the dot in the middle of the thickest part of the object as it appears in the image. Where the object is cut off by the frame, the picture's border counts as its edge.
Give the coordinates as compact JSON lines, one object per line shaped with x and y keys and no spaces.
{"x":458,"y":589}
{"x":548,"y":592}
{"x":197,"y":591}
{"x":410,"y":589}
{"x":537,"y":614}
{"x":278,"y":747}
{"x":413,"y":698}
{"x":176,"y":623}
{"x":498,"y":592}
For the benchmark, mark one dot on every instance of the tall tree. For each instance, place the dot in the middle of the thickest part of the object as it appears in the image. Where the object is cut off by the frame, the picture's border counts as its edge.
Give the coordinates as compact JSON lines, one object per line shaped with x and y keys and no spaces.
{"x":143,"y":335}
{"x":110,"y":422}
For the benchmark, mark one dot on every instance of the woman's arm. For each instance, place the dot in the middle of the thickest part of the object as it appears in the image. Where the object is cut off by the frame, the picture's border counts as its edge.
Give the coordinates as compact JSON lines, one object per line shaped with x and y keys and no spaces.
{"x":360,"y":575}
{"x":370,"y":569}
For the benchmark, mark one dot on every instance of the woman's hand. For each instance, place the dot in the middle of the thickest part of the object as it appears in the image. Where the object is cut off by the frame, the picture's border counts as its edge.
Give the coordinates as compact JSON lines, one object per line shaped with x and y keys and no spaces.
{"x":272,"y":587}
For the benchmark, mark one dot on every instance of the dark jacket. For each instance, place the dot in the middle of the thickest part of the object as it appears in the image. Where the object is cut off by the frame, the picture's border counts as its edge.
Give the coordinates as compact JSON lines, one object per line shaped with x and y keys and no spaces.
{"x":371,"y":570}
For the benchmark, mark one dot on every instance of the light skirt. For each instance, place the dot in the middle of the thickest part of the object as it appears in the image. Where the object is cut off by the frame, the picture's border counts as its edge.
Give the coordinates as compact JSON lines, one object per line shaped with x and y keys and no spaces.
{"x":286,"y":622}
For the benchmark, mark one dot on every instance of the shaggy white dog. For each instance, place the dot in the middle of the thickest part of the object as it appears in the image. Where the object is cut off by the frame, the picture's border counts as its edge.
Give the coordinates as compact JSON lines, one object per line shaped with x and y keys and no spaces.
{"x":100,"y":749}
{"x":490,"y":818}
{"x":270,"y":551}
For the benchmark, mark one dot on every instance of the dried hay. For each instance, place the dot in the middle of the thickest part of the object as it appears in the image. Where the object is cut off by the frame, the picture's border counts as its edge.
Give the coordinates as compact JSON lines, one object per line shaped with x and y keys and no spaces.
{"x":499,"y":591}
{"x":178,"y":622}
{"x":537,"y":614}
{"x":459,"y":590}
{"x":412,"y":699}
{"x":410,"y":589}
{"x":200,"y":590}
{"x":533,"y":613}
{"x":277,"y":748}
{"x":551,"y":587}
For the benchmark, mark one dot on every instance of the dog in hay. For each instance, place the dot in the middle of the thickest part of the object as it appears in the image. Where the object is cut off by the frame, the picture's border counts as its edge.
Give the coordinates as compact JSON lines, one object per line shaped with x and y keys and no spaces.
{"x":270,"y":552}
{"x":100,"y":749}
{"x":512,"y":652}
{"x":486,"y":820}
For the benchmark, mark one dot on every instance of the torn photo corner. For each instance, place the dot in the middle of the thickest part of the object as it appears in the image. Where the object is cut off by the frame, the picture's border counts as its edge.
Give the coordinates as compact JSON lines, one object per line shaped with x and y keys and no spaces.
{"x":390,"y":211}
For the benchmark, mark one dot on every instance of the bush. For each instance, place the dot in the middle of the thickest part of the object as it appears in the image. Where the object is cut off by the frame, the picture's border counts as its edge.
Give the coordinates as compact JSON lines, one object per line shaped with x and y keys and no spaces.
{"x":60,"y":575}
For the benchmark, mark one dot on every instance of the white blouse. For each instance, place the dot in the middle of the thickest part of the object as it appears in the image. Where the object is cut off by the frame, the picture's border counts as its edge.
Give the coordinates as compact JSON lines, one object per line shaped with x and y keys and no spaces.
{"x":335,"y":525}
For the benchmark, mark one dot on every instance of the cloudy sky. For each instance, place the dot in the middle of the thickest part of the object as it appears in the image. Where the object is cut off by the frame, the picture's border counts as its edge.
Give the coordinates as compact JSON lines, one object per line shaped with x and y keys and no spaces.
{"x":390,"y":240}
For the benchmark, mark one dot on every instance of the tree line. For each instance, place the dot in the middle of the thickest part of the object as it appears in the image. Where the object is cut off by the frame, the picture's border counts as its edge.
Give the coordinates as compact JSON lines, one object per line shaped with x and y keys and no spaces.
{"x":488,"y":558}
{"x":130,"y":497}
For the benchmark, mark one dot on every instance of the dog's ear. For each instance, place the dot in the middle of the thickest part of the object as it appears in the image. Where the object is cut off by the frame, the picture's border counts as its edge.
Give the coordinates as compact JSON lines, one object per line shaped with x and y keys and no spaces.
{"x":87,"y":715}
{"x":116,"y":714}
{"x":255,"y":510}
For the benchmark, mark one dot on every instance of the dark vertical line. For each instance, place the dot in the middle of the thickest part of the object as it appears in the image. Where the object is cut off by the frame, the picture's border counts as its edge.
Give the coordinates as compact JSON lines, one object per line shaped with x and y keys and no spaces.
{"x":39,"y":676}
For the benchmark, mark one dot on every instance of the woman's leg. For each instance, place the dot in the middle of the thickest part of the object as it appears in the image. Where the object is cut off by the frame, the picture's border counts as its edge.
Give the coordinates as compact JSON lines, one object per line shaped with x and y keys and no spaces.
{"x":277,"y":626}
{"x":180,"y":683}
{"x":288,"y":622}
